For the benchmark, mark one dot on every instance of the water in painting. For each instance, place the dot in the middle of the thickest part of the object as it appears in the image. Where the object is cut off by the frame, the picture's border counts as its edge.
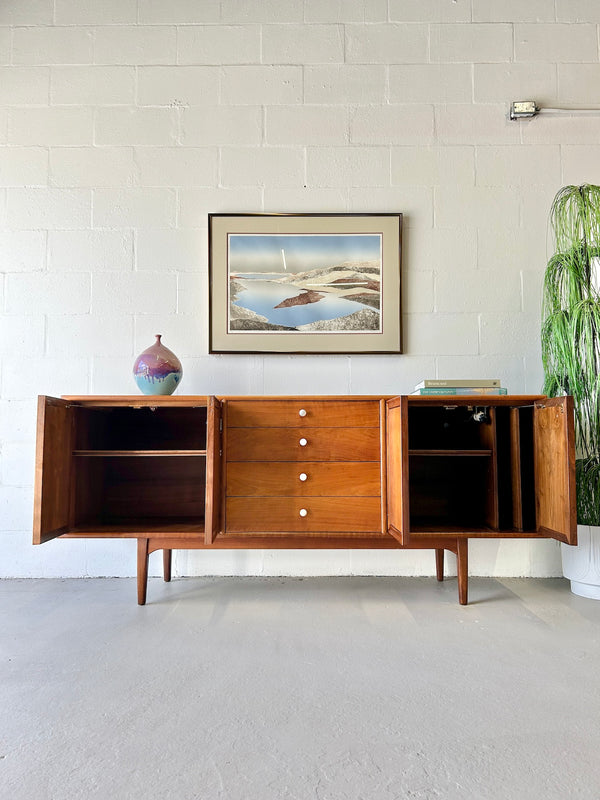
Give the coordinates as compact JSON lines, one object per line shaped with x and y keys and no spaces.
{"x":304,"y":283}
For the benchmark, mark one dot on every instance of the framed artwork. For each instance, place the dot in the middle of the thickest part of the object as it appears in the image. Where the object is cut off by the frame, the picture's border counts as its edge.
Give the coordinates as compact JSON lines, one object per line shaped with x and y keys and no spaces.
{"x":304,"y":283}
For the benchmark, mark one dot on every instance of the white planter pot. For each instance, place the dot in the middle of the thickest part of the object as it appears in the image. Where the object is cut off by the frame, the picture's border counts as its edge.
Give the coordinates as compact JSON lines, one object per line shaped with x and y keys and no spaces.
{"x":581,"y":564}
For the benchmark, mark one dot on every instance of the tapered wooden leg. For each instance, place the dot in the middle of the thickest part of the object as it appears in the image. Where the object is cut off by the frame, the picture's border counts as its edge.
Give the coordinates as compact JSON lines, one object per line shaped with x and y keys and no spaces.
{"x":142,"y":570}
{"x":462,"y":567}
{"x":439,"y":564}
{"x":167,"y":565}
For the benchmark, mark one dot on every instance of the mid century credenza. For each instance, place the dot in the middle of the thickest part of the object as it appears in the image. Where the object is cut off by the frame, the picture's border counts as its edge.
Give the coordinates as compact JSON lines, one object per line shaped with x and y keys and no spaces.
{"x":196,"y":472}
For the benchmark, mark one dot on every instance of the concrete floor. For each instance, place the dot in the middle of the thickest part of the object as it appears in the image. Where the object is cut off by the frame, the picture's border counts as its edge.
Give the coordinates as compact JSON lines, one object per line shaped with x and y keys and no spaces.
{"x":287,"y":688}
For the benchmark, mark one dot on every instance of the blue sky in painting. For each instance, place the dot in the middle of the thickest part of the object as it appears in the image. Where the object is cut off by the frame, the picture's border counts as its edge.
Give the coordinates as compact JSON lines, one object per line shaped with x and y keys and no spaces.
{"x":262,"y":253}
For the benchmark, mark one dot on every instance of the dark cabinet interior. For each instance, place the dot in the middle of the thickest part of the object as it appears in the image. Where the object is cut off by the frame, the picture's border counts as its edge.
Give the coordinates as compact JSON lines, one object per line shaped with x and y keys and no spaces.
{"x":138,"y":490}
{"x":450,"y":492}
{"x":484,"y":469}
{"x":140,"y":429}
{"x":124,"y":469}
{"x":139,"y":467}
{"x":452,"y":470}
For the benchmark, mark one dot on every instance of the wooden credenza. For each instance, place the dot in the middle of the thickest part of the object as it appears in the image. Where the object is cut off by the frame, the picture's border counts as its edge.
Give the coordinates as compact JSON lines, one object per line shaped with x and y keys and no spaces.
{"x":196,"y":472}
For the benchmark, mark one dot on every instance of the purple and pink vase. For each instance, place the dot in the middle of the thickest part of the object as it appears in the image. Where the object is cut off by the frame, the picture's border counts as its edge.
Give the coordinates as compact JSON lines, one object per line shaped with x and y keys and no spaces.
{"x":157,"y":370}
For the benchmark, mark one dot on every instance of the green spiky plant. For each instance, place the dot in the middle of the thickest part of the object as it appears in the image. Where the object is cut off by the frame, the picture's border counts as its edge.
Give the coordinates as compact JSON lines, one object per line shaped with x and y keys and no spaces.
{"x":571,"y":331}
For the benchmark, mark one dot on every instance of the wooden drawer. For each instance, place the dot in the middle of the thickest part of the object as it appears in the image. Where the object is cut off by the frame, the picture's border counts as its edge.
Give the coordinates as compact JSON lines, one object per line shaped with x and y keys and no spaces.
{"x":303,"y":479}
{"x":286,"y":444}
{"x":288,"y":413}
{"x":283,"y":514}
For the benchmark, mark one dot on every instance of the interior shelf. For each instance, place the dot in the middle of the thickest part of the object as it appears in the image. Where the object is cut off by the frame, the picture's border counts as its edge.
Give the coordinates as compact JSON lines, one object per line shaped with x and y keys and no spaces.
{"x":136,"y":453}
{"x":437,"y":528}
{"x":434,"y":526}
{"x":124,"y":527}
{"x":449,"y":452}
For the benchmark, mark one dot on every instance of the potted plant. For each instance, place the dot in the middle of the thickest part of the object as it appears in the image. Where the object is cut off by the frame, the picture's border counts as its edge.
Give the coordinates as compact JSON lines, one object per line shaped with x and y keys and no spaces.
{"x":571,"y":360}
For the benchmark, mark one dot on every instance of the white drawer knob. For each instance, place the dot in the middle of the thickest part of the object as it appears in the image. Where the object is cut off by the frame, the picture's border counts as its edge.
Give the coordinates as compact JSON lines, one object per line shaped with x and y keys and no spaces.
{"x":303,"y":442}
{"x":303,"y":512}
{"x":302,"y":412}
{"x":303,"y":476}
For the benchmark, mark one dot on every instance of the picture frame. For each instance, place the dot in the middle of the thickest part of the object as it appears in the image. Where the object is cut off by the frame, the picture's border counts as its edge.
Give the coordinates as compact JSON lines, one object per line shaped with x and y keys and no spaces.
{"x":305,"y":283}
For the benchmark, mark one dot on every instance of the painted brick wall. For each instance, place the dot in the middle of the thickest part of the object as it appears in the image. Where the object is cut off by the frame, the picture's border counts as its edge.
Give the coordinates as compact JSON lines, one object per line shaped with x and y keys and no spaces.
{"x":123,"y":123}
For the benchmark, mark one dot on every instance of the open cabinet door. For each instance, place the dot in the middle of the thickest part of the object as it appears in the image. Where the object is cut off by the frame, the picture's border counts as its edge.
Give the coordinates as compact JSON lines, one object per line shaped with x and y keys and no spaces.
{"x":52,"y":496}
{"x":214,"y":449}
{"x":397,"y":468}
{"x":554,"y":468}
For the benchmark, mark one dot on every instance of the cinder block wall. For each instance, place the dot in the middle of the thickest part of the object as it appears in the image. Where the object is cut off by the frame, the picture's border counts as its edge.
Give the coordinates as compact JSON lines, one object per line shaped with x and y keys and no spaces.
{"x":123,"y":123}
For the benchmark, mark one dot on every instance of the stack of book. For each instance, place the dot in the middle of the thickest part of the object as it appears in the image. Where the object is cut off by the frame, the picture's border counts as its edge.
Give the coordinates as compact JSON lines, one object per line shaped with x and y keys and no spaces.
{"x":466,"y":386}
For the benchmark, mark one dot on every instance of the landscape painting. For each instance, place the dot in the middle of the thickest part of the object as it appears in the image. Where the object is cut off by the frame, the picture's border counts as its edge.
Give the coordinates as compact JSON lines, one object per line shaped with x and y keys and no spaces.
{"x":304,"y":283}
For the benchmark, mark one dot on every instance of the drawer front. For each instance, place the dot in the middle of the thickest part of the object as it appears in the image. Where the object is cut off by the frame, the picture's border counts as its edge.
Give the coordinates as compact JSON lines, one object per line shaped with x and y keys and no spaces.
{"x":286,"y":514}
{"x":303,"y":479}
{"x":298,"y":444}
{"x":302,"y":413}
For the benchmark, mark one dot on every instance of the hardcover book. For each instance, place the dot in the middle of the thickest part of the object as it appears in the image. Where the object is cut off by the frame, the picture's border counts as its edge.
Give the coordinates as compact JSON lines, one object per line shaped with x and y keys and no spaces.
{"x":461,"y":390}
{"x":467,"y":383}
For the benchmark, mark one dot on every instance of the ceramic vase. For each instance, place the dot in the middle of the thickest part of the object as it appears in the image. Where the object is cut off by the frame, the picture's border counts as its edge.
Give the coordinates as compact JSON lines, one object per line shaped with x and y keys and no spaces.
{"x":157,"y":370}
{"x":581,"y":564}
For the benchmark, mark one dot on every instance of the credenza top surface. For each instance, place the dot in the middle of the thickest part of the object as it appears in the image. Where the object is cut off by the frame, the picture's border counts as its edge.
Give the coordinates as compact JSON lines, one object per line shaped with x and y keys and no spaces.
{"x":203,"y":400}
